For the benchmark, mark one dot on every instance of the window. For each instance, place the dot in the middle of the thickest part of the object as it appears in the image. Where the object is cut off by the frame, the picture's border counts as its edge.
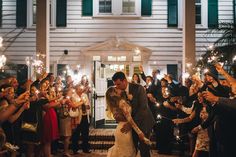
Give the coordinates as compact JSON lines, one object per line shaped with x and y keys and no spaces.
{"x":201,"y":8}
{"x":31,"y":13}
{"x":104,"y":8}
{"x":128,"y":6}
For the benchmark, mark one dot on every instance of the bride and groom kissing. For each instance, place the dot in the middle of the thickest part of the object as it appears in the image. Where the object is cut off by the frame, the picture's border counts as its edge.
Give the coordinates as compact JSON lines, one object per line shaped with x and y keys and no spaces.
{"x":128,"y":104}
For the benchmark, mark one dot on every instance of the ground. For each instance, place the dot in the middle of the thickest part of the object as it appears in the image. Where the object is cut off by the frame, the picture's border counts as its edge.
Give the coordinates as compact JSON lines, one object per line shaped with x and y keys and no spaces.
{"x":104,"y":153}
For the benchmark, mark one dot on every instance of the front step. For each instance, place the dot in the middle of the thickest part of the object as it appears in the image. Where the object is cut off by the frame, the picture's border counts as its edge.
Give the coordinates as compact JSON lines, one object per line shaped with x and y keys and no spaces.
{"x":103,"y":139}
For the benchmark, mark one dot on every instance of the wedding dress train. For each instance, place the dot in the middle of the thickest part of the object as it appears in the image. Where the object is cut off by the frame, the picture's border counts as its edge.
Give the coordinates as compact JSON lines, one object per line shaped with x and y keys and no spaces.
{"x":124,"y":146}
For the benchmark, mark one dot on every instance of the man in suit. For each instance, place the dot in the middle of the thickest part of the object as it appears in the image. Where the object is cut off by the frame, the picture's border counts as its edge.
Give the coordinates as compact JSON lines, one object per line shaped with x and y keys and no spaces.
{"x":140,"y":111}
{"x":224,"y":128}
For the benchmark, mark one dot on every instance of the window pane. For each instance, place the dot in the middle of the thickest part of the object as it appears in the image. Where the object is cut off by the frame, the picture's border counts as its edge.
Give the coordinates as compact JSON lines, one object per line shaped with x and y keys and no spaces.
{"x":104,"y":6}
{"x":198,"y":1}
{"x":128,"y":6}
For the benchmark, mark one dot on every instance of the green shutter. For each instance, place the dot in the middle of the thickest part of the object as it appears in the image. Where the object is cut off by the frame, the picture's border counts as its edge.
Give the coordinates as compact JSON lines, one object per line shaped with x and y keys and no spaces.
{"x":234,"y":5}
{"x":87,"y":7}
{"x":0,"y":13}
{"x":212,"y":13}
{"x":21,"y":13}
{"x":146,"y":9}
{"x":172,"y":13}
{"x":61,"y":13}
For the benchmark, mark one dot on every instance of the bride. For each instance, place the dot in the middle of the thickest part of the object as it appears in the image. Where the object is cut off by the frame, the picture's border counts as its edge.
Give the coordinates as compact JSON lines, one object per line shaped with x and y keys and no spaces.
{"x":124,"y":146}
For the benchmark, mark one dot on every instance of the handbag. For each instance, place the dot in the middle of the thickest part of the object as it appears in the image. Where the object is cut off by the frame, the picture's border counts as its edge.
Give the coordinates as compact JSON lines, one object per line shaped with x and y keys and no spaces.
{"x":30,"y":126}
{"x":73,"y":112}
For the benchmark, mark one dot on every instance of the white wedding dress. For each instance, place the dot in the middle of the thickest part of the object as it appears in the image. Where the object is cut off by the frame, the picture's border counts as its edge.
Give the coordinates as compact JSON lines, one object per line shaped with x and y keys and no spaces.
{"x":124,"y":146}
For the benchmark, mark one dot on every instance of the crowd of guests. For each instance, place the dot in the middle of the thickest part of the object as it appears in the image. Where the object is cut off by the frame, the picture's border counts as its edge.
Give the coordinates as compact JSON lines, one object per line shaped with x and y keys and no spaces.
{"x":203,"y":111}
{"x":34,"y":115}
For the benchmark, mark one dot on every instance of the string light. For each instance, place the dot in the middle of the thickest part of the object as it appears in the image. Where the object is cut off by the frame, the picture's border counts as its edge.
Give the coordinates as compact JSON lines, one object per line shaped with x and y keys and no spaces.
{"x":38,"y":66}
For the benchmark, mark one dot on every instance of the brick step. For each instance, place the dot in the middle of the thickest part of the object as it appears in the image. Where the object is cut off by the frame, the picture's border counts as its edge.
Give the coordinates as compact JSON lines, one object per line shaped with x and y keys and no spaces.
{"x":103,"y":139}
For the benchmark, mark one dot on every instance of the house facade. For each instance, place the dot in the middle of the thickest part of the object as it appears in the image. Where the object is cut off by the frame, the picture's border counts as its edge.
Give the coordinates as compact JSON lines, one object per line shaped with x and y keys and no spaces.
{"x":80,"y":31}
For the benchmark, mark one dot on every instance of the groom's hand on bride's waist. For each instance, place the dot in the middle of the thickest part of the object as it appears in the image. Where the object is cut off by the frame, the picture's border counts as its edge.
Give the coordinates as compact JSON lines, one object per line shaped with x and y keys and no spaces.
{"x":126,"y":128}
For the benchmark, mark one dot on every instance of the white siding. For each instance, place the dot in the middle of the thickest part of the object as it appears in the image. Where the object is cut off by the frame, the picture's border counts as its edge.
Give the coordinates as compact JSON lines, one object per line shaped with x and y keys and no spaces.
{"x":81,"y":32}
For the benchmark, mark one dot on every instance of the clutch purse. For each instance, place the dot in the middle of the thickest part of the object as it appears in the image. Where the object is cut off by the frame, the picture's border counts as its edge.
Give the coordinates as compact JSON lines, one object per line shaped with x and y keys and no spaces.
{"x":73,"y":112}
{"x":31,"y":127}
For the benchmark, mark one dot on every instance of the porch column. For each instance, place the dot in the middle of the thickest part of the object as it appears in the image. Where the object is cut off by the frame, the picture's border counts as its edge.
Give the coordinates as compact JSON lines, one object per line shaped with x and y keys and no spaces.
{"x":188,"y":35}
{"x":42,"y":32}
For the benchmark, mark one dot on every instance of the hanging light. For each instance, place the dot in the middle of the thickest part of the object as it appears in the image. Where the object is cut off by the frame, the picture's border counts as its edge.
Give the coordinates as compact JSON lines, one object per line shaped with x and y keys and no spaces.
{"x":3,"y":60}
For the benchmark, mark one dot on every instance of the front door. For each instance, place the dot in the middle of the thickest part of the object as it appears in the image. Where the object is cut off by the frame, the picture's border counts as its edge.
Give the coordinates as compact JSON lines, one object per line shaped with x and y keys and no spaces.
{"x":100,"y":83}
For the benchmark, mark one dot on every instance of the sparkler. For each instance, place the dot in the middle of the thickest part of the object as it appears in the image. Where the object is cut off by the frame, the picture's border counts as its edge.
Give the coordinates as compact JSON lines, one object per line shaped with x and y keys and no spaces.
{"x":186,"y":75}
{"x":159,"y":117}
{"x":188,"y":65}
{"x":205,"y":70}
{"x":157,"y":104}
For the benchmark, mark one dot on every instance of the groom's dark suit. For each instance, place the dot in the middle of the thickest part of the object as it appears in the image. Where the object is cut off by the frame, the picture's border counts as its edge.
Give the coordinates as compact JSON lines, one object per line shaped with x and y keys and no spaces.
{"x":142,"y":115}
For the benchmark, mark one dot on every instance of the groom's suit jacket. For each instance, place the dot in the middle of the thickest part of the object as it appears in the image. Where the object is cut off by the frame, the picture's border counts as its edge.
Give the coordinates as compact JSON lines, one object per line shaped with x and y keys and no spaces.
{"x":141,"y":113}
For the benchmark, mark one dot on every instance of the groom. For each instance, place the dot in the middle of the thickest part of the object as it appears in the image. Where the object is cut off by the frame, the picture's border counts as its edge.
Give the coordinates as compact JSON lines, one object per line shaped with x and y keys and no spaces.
{"x":141,"y":113}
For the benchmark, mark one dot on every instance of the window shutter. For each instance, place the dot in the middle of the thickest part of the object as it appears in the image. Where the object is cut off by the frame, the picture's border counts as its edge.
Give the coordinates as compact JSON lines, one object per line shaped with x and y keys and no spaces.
{"x":212,"y":13}
{"x":172,"y":13}
{"x":61,"y":13}
{"x":146,"y":8}
{"x":234,"y":5}
{"x":0,"y":13}
{"x":21,"y":13}
{"x":87,"y":7}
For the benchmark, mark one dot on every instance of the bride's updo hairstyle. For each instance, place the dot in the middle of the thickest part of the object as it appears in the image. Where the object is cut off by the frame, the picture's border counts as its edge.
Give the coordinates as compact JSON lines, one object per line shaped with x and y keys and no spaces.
{"x":112,"y":101}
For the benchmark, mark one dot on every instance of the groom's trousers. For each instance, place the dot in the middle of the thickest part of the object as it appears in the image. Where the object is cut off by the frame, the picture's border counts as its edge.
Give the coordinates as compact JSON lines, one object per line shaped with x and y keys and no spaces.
{"x":141,"y":146}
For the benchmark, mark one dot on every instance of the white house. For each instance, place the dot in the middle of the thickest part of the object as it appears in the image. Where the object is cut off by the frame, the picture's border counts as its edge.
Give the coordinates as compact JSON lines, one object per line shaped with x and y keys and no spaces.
{"x":77,"y":25}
